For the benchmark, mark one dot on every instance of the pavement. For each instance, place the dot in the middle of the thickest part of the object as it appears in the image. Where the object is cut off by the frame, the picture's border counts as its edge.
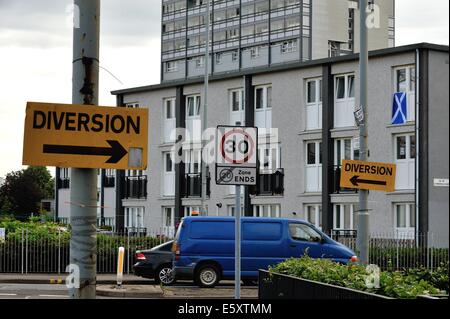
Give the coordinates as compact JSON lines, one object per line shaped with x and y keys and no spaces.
{"x":52,"y":286}
{"x":40,"y":279}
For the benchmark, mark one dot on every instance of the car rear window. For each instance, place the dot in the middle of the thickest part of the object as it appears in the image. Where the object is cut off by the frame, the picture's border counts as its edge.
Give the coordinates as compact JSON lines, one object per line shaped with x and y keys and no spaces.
{"x":261,"y":231}
{"x":212,"y":230}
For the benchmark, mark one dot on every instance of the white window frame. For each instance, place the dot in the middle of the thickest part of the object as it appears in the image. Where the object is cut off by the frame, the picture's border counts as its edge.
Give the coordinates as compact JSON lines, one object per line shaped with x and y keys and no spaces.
{"x":193,"y":122}
{"x":166,"y":174}
{"x":169,"y":123}
{"x":407,"y":161}
{"x":255,"y":52}
{"x":231,"y":210}
{"x":132,"y":105}
{"x":316,"y":168}
{"x":340,"y":143}
{"x":171,"y":66}
{"x":269,"y":152}
{"x":134,"y":216}
{"x":288,"y":46}
{"x":409,"y":230}
{"x":273,"y":210}
{"x":187,"y":210}
{"x":64,"y":173}
{"x":314,"y":108}
{"x":345,"y":106}
{"x":317,"y":211}
{"x":410,"y":91}
{"x":342,"y":216}
{"x":168,"y":222}
{"x":265,"y":109}
{"x":200,"y":62}
{"x":237,"y":115}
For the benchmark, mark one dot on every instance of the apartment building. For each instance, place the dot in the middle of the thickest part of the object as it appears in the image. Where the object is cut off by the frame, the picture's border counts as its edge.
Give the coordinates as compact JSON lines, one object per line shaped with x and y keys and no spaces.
{"x":245,"y":34}
{"x":311,"y":105}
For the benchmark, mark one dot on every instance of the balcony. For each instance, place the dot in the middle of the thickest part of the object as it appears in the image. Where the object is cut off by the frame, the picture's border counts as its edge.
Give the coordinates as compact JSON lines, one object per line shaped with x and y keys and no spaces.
{"x":337,"y":189}
{"x":109,"y":181}
{"x":135,"y":187}
{"x":269,"y":184}
{"x":192,"y":185}
{"x":64,"y":183}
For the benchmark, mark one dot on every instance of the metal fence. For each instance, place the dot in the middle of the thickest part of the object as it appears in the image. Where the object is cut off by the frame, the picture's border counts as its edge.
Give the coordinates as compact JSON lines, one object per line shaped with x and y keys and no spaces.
{"x":31,"y":252}
{"x":397,"y":251}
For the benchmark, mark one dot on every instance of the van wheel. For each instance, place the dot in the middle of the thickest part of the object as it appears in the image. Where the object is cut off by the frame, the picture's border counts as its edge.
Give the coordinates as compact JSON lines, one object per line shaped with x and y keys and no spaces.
{"x":207,"y":276}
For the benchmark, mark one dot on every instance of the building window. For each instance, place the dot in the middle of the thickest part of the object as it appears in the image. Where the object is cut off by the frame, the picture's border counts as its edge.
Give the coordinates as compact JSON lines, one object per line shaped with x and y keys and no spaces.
{"x":313,"y":214}
{"x":232,"y":33}
{"x":266,"y":210}
{"x":218,"y":58}
{"x":133,"y":105}
{"x":344,"y":149}
{"x":200,"y":62}
{"x":314,"y":104}
{"x":313,"y":166}
{"x":134,"y":218}
{"x":171,"y":66}
{"x":344,"y":104}
{"x":405,"y":159}
{"x":234,"y":55}
{"x":193,"y":122}
{"x":343,"y":217}
{"x":269,"y":158}
{"x":405,"y":81}
{"x":405,"y":220}
{"x":289,"y":46}
{"x":168,"y":175}
{"x":263,"y":107}
{"x":237,"y":113}
{"x":169,"y":119}
{"x":232,"y":209}
{"x":168,"y":219}
{"x":254,"y":52}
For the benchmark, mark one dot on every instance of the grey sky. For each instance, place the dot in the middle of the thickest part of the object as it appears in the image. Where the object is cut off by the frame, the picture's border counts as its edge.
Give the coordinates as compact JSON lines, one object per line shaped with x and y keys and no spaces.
{"x":35,"y":53}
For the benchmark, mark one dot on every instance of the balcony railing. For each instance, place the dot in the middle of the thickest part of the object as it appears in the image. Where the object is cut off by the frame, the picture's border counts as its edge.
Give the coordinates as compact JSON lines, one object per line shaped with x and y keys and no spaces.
{"x":337,"y":189}
{"x":109,"y":181}
{"x":135,"y":187}
{"x":192,"y":185}
{"x":269,"y":184}
{"x":63,"y":183}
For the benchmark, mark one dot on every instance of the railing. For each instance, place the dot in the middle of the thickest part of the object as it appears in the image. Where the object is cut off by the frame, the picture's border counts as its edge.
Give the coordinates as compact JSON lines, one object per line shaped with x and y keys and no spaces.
{"x":337,"y":189}
{"x":109,"y":181}
{"x":396,"y":251}
{"x":135,"y":187}
{"x":269,"y":184}
{"x":26,"y":251}
{"x":192,"y":185}
{"x":63,"y":183}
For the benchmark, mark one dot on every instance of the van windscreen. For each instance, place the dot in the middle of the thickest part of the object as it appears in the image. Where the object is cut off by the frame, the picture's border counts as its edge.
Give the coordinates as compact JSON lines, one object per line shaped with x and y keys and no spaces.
{"x":212,"y":230}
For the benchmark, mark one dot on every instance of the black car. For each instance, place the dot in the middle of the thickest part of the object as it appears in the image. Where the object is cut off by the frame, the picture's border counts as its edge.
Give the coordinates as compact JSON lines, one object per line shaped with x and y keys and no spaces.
{"x":155,"y":263}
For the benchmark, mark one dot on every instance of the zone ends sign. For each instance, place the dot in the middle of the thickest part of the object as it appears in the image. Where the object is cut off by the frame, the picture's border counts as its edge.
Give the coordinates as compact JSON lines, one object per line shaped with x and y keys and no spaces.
{"x":85,"y":136}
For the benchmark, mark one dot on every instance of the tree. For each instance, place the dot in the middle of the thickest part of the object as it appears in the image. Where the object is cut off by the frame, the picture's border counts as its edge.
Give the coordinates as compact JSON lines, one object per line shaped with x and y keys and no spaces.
{"x":23,"y":191}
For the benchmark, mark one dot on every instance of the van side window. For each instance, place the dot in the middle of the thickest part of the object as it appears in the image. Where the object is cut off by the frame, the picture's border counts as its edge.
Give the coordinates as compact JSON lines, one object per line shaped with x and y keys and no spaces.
{"x":303,"y":232}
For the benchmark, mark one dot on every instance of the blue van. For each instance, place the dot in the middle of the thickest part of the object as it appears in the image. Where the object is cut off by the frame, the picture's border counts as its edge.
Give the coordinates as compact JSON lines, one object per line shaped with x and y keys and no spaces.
{"x":204,"y":247}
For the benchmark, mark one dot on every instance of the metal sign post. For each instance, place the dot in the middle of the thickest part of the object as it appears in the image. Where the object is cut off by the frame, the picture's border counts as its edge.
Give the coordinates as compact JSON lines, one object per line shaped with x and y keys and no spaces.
{"x":236,"y":164}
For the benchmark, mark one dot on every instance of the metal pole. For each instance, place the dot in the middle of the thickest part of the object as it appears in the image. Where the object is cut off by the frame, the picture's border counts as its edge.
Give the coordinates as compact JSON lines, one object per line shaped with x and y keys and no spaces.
{"x":363,"y":221}
{"x":237,"y":244}
{"x":204,"y":110}
{"x":83,"y":190}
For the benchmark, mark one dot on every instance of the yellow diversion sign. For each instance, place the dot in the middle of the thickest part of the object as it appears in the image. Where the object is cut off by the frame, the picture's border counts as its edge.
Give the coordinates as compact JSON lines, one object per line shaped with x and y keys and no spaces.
{"x":85,"y":136}
{"x":368,"y":175}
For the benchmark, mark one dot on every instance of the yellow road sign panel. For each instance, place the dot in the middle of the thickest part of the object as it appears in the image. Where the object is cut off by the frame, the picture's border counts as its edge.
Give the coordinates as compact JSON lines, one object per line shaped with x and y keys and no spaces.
{"x":368,"y":175}
{"x":85,"y":136}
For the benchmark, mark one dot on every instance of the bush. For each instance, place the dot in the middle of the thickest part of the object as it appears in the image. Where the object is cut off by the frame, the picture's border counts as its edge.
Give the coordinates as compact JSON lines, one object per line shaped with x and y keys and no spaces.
{"x":392,"y":284}
{"x":439,"y":277}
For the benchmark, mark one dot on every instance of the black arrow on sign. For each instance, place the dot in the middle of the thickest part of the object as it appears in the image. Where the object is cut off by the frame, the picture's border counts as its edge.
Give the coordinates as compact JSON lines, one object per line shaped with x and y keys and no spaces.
{"x":116,"y":151}
{"x":356,"y":181}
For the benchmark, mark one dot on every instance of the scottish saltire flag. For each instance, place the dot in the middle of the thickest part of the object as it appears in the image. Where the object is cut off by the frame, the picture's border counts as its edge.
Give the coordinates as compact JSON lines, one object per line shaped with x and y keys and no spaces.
{"x":399,"y":109}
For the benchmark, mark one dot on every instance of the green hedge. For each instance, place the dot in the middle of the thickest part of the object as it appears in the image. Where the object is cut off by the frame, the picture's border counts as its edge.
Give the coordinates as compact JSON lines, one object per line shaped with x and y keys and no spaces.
{"x":392,"y":284}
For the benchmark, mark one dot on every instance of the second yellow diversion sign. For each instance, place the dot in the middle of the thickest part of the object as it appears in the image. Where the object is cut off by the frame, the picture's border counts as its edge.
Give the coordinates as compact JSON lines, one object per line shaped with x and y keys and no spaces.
{"x":85,"y":136}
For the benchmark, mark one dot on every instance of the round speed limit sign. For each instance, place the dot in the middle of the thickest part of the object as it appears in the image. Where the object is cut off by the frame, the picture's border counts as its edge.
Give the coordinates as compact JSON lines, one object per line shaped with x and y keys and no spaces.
{"x":237,"y":146}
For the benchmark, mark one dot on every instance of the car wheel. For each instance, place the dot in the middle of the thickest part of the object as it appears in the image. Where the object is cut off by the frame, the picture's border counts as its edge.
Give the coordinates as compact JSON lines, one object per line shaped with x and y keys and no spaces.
{"x":207,"y":276}
{"x":164,"y":275}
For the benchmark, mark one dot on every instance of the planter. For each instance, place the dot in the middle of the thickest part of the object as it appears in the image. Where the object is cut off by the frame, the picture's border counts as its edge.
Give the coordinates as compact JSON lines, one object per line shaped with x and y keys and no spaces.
{"x":278,"y":286}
